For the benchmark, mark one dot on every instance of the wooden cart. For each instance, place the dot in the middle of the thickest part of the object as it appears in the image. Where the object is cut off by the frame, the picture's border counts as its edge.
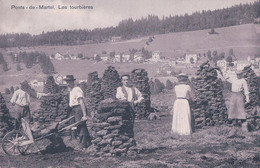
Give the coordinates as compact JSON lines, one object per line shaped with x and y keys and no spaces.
{"x":17,"y":142}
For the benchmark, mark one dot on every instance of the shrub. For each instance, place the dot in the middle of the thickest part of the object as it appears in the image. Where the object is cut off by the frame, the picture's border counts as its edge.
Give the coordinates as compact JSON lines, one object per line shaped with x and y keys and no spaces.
{"x":12,"y":89}
{"x":151,"y":83}
{"x":158,"y":86}
{"x":169,"y":85}
{"x":5,"y":67}
{"x":18,"y":67}
{"x":7,"y":91}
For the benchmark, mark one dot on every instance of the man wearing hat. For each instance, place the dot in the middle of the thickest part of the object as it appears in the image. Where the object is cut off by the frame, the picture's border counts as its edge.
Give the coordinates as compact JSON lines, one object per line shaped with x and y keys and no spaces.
{"x":237,"y":105}
{"x":77,"y":108}
{"x":21,"y":101}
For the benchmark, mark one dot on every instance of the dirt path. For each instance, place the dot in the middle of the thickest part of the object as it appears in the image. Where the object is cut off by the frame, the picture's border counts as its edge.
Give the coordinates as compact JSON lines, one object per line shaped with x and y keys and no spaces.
{"x":211,"y":147}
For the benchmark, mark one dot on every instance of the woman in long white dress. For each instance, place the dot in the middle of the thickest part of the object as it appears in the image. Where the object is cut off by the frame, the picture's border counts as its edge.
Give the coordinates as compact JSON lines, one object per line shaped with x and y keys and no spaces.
{"x":181,"y":122}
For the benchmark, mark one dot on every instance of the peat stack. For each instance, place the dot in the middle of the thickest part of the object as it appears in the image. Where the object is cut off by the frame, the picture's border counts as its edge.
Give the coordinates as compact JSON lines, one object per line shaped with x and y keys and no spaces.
{"x":252,"y":82}
{"x":110,"y":82}
{"x":29,"y":89}
{"x":6,"y":121}
{"x":209,"y":106}
{"x":50,"y":86}
{"x":53,"y":108}
{"x":140,"y":80}
{"x":112,"y":130}
{"x":93,"y":92}
{"x":253,"y":112}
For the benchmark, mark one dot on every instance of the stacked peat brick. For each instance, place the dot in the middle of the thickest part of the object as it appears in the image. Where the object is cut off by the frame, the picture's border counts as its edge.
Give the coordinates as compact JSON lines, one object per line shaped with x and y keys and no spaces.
{"x":209,"y":107}
{"x":93,"y":92}
{"x":140,"y":80}
{"x":6,"y":121}
{"x":113,"y":121}
{"x":50,"y":86}
{"x":54,"y":108}
{"x":252,"y":82}
{"x":112,"y":131}
{"x":253,"y":116}
{"x":30,"y":90}
{"x":110,"y":82}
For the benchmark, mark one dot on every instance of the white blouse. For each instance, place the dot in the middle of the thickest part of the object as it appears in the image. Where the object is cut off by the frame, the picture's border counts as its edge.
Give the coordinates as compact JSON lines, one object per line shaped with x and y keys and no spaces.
{"x":182,"y":90}
{"x":75,"y":94}
{"x":238,"y":85}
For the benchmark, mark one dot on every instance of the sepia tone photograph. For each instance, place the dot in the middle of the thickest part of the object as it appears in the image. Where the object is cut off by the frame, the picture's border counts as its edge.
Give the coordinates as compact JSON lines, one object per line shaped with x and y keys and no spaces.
{"x":129,"y":83}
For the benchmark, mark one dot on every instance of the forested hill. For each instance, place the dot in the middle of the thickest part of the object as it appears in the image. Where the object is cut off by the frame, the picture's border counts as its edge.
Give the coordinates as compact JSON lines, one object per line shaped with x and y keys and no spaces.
{"x":146,"y":26}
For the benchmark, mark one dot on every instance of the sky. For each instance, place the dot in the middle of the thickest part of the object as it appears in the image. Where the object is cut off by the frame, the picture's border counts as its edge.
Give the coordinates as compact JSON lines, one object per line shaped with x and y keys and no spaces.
{"x":105,"y":13}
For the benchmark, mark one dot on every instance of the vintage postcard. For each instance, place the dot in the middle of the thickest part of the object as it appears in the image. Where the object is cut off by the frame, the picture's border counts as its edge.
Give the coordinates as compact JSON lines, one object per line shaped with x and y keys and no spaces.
{"x":129,"y":83}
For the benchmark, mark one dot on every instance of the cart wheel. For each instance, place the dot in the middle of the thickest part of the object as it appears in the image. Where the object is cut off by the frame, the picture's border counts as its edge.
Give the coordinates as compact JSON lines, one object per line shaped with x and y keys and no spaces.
{"x":11,"y":142}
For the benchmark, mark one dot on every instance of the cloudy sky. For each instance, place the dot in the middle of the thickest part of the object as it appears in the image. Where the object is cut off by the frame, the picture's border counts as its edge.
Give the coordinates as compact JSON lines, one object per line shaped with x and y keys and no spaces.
{"x":104,"y":13}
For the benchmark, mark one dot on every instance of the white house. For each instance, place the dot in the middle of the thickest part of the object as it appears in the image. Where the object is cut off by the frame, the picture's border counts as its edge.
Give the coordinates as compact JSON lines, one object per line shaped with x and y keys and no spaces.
{"x":168,"y":72}
{"x":117,"y":58}
{"x":172,"y":63}
{"x":125,"y":57}
{"x":59,"y":79}
{"x":67,"y":57}
{"x":257,"y":59}
{"x":35,"y":83}
{"x":104,"y":58}
{"x":251,"y":61}
{"x":73,"y":57}
{"x":156,"y":56}
{"x":241,"y":64}
{"x":138,"y":58}
{"x":257,"y":72}
{"x":58,"y":56}
{"x":138,"y":54}
{"x":83,"y":80}
{"x":189,"y":57}
{"x":116,"y":38}
{"x":222,"y":64}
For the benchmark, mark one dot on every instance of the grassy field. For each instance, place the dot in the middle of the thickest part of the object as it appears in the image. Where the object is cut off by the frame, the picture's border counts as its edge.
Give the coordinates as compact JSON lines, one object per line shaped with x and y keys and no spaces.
{"x":244,"y":39}
{"x":222,"y":147}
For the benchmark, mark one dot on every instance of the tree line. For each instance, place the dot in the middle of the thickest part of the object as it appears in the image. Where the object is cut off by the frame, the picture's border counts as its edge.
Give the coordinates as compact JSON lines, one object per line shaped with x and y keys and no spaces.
{"x":29,"y":60}
{"x":129,"y":28}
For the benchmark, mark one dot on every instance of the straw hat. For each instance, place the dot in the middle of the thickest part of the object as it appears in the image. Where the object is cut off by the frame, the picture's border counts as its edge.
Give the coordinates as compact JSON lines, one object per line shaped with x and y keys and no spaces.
{"x":182,"y":77}
{"x":239,"y":72}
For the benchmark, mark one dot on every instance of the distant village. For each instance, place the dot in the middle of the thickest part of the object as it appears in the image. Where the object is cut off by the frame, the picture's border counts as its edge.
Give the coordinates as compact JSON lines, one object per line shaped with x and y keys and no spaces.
{"x":188,"y":60}
{"x":166,"y":65}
